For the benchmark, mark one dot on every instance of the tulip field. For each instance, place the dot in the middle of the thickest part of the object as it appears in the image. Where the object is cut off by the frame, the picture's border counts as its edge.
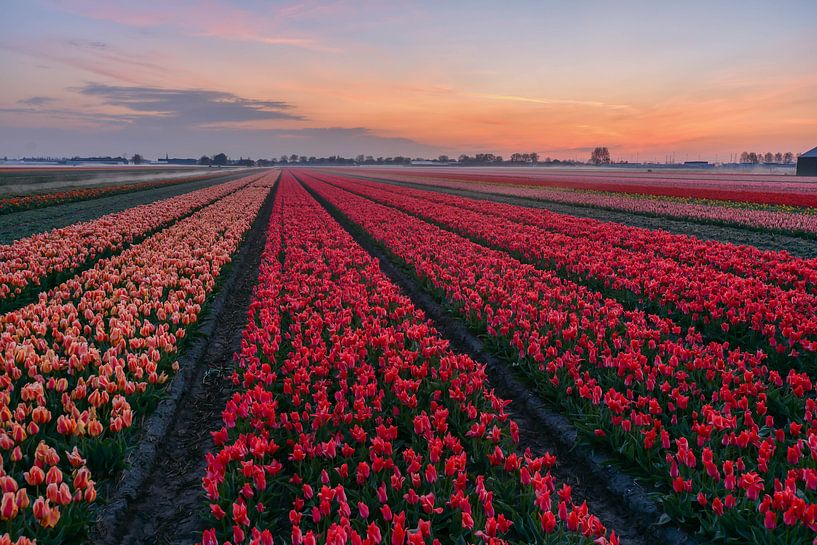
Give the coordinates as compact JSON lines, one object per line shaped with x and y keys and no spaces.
{"x":17,"y":203}
{"x":772,"y":203}
{"x":345,"y":415}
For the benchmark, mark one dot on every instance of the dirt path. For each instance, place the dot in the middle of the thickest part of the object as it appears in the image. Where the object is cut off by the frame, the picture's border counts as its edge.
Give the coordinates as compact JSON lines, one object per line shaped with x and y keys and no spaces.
{"x":621,"y":503}
{"x":167,"y":507}
{"x":795,"y":245}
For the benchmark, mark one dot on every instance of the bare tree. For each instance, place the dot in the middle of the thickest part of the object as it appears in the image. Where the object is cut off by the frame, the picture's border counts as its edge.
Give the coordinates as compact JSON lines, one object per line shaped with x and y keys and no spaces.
{"x":600,"y":156}
{"x":788,"y":157}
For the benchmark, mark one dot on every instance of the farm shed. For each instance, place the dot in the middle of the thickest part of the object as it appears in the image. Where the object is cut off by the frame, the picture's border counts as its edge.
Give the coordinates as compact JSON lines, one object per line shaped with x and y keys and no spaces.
{"x":807,"y":163}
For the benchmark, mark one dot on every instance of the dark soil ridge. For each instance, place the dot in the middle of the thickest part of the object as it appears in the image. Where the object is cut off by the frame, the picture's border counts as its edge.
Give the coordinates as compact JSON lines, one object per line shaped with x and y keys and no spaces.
{"x":804,"y":246}
{"x":159,"y":499}
{"x":621,"y":502}
{"x":32,"y":293}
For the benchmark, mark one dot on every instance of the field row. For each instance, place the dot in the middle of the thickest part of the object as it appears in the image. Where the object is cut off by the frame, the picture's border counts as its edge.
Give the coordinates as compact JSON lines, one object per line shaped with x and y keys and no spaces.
{"x":88,"y":360}
{"x":37,"y":261}
{"x":18,"y":203}
{"x":754,"y":215}
{"x":732,"y":440}
{"x":767,"y":190}
{"x":757,"y":300}
{"x":353,"y":421}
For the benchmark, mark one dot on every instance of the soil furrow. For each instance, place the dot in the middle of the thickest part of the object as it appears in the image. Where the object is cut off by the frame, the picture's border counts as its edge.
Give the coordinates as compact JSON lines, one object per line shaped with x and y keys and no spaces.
{"x":160,"y":499}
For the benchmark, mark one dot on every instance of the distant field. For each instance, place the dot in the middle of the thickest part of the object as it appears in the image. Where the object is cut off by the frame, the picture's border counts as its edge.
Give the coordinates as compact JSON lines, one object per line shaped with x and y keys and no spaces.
{"x":26,"y":180}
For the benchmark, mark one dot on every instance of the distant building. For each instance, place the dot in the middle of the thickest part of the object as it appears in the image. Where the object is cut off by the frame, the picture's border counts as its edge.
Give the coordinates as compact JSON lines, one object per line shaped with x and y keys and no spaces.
{"x":176,"y":161}
{"x":698,"y":164}
{"x":807,"y":163}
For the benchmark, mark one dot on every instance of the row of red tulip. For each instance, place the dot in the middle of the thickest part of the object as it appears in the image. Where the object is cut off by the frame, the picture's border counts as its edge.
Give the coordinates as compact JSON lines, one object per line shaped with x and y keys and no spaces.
{"x":776,"y":267}
{"x":736,"y":441}
{"x":29,"y":262}
{"x":772,"y":190}
{"x":19,"y":203}
{"x":747,"y":309}
{"x":354,"y":422}
{"x":766,"y":217}
{"x":87,"y":360}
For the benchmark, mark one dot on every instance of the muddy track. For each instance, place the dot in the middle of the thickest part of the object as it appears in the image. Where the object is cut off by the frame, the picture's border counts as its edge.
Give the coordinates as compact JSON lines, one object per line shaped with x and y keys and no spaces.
{"x":796,"y":245}
{"x":160,"y":499}
{"x":621,"y":503}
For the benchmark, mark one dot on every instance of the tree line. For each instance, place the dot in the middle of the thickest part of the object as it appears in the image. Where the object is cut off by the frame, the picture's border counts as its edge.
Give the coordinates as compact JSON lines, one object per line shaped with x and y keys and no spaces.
{"x":768,"y":157}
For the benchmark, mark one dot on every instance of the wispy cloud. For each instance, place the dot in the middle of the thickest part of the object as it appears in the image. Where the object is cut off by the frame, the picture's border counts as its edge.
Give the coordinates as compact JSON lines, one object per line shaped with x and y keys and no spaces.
{"x":98,"y":58}
{"x":190,"y":107}
{"x":552,"y":101}
{"x":114,"y":106}
{"x":36,"y":101}
{"x":209,"y":18}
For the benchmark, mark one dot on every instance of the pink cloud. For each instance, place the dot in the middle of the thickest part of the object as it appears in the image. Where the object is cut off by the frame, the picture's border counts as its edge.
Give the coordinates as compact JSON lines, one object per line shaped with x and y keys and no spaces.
{"x":209,"y":18}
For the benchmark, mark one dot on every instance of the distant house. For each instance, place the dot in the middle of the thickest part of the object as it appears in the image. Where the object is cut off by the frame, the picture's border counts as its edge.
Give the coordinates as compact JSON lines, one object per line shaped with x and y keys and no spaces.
{"x":807,"y":163}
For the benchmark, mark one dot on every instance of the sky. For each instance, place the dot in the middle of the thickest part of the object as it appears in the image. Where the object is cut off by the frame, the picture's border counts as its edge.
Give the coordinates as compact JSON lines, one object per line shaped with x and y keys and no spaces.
{"x":648,"y":79}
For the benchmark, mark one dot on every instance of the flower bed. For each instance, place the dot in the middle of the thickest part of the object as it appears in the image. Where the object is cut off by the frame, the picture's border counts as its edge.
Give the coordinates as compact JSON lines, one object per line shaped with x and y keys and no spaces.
{"x":87,"y":361}
{"x":354,"y":423}
{"x":732,"y":442}
{"x":37,"y":260}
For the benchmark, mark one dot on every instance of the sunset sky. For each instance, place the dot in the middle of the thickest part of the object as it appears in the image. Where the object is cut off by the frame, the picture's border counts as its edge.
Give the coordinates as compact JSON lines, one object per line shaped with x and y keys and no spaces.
{"x":260,"y":78}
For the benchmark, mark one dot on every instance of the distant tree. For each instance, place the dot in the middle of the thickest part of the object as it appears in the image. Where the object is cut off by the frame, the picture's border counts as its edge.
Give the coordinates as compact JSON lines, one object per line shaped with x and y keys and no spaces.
{"x":204,"y":160}
{"x":443,"y":158}
{"x":744,"y":157}
{"x":788,"y":157}
{"x":293,"y":158}
{"x":302,"y":159}
{"x":369,"y":159}
{"x":137,"y":159}
{"x":534,"y":157}
{"x":600,"y":156}
{"x":778,"y":157}
{"x":360,"y":158}
{"x":754,"y":158}
{"x":768,"y":157}
{"x":220,"y":159}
